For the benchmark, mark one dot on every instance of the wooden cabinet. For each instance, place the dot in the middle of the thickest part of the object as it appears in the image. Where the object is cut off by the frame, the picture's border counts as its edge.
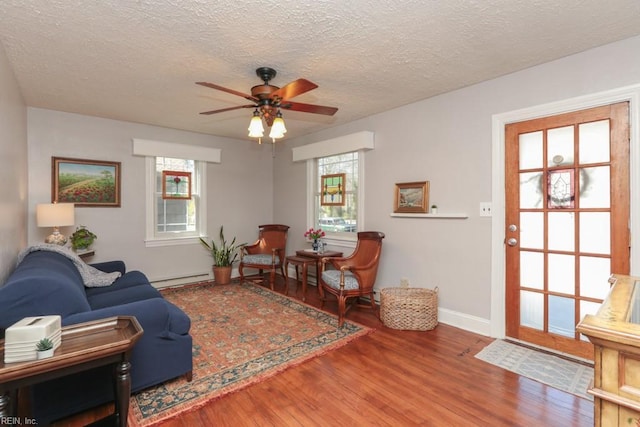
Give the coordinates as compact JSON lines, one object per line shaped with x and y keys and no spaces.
{"x":615,"y":333}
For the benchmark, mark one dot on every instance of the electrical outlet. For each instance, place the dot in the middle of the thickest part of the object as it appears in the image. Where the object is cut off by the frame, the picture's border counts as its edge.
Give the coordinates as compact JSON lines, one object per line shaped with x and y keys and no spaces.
{"x":404,"y":282}
{"x":485,"y":209}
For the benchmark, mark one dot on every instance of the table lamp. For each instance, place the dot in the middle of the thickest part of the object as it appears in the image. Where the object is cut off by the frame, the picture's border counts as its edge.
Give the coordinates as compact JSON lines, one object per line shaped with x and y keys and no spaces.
{"x":55,"y":215}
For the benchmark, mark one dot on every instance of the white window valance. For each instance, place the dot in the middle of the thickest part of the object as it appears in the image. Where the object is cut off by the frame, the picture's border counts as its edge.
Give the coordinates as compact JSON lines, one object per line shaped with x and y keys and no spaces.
{"x":149,"y":148}
{"x":343,"y":144}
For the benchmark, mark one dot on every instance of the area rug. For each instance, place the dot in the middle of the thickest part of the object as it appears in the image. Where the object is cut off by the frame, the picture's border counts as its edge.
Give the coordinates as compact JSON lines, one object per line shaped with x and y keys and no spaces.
{"x":242,"y":334}
{"x":557,"y":372}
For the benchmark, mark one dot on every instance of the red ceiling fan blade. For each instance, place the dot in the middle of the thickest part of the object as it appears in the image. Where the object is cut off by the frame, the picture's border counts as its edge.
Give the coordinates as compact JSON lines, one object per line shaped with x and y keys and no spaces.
{"x":295,"y":88}
{"x":228,"y":109}
{"x":309,"y":108}
{"x":231,"y":91}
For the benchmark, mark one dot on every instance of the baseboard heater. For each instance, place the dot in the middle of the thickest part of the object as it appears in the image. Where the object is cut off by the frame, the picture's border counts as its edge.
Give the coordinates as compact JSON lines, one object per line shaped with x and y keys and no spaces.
{"x":180,"y":281}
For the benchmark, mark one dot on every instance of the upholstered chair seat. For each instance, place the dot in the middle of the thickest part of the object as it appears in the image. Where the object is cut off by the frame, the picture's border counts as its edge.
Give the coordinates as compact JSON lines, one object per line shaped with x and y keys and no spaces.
{"x":352,"y":277}
{"x":332,"y":279}
{"x":260,"y":259}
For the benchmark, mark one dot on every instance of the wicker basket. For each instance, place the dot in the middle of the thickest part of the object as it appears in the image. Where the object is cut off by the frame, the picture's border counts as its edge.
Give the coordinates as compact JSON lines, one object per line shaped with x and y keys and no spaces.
{"x":414,"y":309}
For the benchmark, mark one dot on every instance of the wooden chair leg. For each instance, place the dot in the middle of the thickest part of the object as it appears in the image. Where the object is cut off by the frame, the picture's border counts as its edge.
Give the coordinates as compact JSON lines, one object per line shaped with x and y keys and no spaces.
{"x":241,"y":273}
{"x":342,"y":308}
{"x":286,"y":278}
{"x":272,"y":279}
{"x":297,"y":278}
{"x":322,"y":298}
{"x":373,"y":301}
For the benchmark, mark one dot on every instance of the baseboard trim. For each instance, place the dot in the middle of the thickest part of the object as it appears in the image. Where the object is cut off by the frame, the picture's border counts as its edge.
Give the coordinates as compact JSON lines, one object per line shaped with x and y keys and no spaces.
{"x":171,"y":282}
{"x":464,"y":321}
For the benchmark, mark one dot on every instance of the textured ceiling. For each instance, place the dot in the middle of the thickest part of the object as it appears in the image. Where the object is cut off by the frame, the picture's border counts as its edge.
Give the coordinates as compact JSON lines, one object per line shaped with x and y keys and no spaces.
{"x":137,"y":60}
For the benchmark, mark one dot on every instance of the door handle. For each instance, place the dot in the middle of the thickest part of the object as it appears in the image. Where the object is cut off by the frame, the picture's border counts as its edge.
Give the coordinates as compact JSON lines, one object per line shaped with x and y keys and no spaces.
{"x":512,"y":241}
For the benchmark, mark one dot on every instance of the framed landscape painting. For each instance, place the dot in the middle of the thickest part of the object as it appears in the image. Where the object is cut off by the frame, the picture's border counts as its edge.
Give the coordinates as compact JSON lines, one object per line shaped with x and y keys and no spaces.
{"x":89,"y":183}
{"x":411,"y":197}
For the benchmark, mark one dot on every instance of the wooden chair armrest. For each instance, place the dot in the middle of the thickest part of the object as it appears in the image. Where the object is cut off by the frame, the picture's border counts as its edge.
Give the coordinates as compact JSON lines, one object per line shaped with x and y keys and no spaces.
{"x":334,"y":261}
{"x":354,"y":268}
{"x":275,"y":252}
{"x":249,"y":249}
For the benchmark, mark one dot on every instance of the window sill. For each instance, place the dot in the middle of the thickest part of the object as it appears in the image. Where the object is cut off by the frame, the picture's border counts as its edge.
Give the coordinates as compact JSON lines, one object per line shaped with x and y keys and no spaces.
{"x":438,"y":215}
{"x":337,"y":242}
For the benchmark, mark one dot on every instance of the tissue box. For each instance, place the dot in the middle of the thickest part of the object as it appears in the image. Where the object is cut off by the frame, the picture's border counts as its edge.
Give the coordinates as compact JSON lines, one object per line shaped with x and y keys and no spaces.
{"x":21,"y":337}
{"x":32,"y":329}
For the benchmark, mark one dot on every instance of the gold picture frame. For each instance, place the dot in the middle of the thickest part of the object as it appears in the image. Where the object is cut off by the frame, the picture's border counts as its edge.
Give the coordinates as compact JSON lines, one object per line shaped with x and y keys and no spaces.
{"x":86,"y":183}
{"x":332,"y":189}
{"x":176,"y":185}
{"x":411,"y":197}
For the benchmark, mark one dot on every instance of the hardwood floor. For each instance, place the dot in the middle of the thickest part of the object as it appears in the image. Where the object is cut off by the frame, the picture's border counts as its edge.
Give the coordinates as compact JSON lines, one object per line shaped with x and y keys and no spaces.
{"x":389,"y":378}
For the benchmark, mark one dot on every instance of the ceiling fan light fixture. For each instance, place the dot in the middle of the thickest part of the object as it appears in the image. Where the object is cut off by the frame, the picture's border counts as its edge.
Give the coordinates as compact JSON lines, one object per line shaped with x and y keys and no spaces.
{"x":267,"y":98}
{"x":256,"y":129}
{"x":278,"y":128}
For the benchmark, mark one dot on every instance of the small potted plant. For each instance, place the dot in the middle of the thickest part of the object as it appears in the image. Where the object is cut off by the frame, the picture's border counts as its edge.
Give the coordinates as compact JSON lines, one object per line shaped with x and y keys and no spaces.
{"x":44,"y":348}
{"x":224,"y":255}
{"x":82,"y":238}
{"x":434,"y":209}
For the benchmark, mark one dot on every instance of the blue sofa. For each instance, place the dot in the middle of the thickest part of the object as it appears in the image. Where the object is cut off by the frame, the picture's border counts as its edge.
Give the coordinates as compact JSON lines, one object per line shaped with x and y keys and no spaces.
{"x":46,"y":283}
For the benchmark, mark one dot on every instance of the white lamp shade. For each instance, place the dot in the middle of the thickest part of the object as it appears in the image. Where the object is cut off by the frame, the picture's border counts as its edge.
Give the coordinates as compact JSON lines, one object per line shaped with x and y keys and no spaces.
{"x":277,"y":129}
{"x":256,"y":130}
{"x":55,"y":214}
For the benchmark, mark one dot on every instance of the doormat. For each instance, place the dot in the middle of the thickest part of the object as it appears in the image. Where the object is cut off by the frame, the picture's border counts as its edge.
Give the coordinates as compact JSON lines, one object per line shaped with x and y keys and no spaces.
{"x":557,"y":372}
{"x":242,"y":334}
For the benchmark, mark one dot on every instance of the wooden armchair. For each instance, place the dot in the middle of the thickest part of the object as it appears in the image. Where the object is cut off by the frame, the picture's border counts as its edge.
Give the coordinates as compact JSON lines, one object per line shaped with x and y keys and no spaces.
{"x":355,"y":275}
{"x":267,"y":253}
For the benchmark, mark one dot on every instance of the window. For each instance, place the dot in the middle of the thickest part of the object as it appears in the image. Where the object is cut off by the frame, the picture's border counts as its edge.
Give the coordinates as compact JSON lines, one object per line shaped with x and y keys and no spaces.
{"x":343,"y":154}
{"x":338,"y":221}
{"x":169,"y":220}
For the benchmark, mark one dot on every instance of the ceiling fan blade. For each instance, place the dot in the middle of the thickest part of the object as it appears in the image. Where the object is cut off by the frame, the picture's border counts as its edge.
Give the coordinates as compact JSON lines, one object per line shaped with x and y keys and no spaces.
{"x":309,"y":108}
{"x":295,"y":88}
{"x":228,"y":109}
{"x":231,"y":91}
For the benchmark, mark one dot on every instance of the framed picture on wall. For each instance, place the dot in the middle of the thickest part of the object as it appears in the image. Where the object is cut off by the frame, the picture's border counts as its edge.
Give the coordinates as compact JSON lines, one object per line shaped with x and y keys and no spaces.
{"x":332,"y":189}
{"x":176,"y":185}
{"x":411,"y":197}
{"x":88,"y":183}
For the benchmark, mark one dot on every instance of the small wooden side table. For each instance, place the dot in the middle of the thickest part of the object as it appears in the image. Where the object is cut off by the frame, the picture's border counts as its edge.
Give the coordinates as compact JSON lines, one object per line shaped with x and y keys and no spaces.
{"x":317,"y":257}
{"x":84,"y":346}
{"x":297,"y":261}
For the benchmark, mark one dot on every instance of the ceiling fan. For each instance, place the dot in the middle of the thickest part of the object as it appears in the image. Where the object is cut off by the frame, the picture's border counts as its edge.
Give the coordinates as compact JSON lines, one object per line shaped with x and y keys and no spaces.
{"x":268,"y":99}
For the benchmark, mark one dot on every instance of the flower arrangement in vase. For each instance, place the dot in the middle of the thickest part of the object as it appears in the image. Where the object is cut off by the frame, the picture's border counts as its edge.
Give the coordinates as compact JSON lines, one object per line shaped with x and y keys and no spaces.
{"x":314,"y":235}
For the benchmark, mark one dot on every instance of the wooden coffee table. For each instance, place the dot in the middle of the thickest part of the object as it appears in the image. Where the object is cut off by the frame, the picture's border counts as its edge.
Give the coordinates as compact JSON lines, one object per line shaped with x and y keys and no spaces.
{"x":84,"y":346}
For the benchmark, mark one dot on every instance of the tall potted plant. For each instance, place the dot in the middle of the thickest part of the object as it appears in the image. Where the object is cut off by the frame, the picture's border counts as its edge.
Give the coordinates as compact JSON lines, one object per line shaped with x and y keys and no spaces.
{"x":223,"y":255}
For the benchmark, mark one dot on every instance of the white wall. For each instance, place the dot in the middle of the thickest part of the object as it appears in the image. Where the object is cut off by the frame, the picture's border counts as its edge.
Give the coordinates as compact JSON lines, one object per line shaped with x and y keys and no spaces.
{"x":240,"y":192}
{"x":447,"y":140}
{"x":13,"y":173}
